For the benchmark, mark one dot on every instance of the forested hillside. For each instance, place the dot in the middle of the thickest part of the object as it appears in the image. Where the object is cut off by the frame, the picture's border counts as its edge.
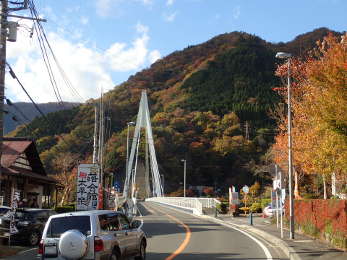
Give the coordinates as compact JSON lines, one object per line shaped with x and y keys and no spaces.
{"x":210,"y":104}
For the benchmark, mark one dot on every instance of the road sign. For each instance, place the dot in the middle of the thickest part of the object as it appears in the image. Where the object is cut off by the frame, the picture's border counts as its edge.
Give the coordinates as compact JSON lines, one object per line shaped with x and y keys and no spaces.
{"x":87,"y":186}
{"x":245,"y":189}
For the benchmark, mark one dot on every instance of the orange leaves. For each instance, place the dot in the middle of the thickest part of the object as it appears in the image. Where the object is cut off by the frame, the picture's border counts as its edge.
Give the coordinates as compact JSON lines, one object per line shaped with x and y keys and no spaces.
{"x":319,"y":104}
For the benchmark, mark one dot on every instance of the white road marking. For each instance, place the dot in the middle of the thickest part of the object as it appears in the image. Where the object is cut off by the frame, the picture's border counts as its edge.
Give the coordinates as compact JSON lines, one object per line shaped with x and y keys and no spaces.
{"x":28,"y":250}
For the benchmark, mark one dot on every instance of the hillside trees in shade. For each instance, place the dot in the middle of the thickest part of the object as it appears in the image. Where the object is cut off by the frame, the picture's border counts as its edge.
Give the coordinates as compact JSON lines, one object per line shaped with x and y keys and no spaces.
{"x":319,"y":112}
{"x":240,"y":80}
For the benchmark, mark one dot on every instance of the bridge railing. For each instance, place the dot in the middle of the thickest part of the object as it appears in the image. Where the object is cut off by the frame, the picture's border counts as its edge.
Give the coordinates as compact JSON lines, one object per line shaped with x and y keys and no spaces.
{"x":209,"y":202}
{"x":194,"y":204}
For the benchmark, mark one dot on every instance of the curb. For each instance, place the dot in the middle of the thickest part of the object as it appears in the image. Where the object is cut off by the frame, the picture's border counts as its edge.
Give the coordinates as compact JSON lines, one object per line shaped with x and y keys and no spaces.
{"x":289,"y":251}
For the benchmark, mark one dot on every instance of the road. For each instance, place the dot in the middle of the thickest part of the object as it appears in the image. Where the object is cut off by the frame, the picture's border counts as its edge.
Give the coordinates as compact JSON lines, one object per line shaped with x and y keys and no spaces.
{"x":176,"y":235}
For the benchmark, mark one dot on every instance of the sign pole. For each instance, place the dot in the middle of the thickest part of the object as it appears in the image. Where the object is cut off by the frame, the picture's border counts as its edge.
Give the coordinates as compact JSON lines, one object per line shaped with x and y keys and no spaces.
{"x":281,"y":198}
{"x":276,"y":189}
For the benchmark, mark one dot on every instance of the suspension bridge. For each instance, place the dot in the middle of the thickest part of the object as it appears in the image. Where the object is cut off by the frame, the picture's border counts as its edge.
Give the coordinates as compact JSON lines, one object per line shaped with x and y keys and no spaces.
{"x":143,"y":180}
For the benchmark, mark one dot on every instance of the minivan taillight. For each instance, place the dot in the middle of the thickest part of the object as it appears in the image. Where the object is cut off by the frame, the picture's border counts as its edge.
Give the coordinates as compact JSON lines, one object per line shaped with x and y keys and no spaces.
{"x":41,"y":248}
{"x":98,"y":244}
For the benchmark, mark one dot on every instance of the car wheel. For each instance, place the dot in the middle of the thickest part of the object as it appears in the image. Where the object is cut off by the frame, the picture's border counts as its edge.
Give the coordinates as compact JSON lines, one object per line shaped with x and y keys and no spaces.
{"x":142,"y":253}
{"x":34,"y":238}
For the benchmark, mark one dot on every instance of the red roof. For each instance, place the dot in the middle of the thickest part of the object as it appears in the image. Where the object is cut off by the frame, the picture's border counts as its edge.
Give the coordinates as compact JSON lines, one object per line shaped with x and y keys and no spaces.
{"x":11,"y":151}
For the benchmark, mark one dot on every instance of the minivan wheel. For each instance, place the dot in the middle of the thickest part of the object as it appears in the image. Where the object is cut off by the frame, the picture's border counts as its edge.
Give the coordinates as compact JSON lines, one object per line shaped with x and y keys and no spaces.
{"x":142,"y":253}
{"x":34,"y":238}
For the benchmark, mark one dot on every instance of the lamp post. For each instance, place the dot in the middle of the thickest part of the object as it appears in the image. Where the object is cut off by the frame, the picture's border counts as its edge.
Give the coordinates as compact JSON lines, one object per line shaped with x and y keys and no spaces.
{"x":126,"y":166}
{"x":163,"y":182}
{"x":287,"y":56}
{"x":184,"y":176}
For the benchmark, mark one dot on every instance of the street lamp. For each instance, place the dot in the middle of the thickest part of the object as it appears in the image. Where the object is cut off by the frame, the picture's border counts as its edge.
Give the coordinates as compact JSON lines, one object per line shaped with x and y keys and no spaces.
{"x":287,"y":56}
{"x":184,"y":176}
{"x":126,"y":166}
{"x":163,"y":183}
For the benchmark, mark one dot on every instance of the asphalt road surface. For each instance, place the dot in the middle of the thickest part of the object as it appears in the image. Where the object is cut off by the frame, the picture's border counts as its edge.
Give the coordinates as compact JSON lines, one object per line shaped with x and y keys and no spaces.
{"x":180,"y":236}
{"x":173,"y":234}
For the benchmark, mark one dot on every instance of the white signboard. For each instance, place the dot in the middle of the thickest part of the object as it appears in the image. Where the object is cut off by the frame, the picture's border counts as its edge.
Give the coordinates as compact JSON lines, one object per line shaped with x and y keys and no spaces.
{"x":14,"y":206}
{"x":245,"y":189}
{"x":87,"y":186}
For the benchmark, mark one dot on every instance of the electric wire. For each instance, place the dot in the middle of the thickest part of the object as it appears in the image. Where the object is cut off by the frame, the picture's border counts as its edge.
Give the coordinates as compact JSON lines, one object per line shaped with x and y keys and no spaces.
{"x":61,"y":70}
{"x":36,"y":106}
{"x":46,"y":48}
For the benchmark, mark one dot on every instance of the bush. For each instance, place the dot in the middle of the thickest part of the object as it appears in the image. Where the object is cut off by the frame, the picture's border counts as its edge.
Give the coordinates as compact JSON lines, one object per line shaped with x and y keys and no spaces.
{"x":223,"y":207}
{"x":265,"y":202}
{"x":256,"y":207}
{"x":245,"y":209}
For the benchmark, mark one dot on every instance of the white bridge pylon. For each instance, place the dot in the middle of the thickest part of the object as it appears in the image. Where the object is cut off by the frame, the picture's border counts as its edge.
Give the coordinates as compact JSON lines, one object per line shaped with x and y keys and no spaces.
{"x":143,"y":121}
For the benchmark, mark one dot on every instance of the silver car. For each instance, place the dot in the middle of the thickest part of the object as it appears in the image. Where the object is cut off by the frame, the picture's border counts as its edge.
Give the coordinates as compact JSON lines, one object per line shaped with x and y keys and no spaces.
{"x":96,"y":234}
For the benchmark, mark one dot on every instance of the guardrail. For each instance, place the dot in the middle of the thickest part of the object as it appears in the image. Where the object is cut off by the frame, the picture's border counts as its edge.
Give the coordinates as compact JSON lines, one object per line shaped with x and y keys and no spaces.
{"x":194,"y":204}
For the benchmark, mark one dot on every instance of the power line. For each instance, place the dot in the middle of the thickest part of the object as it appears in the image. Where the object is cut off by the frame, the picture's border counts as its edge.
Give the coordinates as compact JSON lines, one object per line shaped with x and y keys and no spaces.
{"x":44,"y":41}
{"x":26,"y":92}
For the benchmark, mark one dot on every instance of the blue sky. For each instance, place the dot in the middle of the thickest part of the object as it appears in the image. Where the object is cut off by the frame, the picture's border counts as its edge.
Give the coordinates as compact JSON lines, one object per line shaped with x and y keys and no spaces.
{"x":100,"y":43}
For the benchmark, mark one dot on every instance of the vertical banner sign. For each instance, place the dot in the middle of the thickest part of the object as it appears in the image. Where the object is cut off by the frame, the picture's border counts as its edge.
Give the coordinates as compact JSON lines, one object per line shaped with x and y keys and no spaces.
{"x":14,"y":206}
{"x":87,"y":186}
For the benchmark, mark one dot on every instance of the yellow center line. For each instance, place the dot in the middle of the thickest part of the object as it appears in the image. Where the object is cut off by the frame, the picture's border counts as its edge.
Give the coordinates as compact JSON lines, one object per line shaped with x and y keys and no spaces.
{"x":186,"y":239}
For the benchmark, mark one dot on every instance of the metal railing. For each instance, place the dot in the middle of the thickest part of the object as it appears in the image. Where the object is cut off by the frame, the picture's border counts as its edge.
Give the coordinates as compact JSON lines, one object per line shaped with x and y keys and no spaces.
{"x":194,"y":204}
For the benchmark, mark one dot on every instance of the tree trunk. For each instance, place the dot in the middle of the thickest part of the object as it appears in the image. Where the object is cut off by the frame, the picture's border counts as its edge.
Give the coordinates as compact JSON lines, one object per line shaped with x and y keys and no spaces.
{"x":296,"y":185}
{"x":324,"y":187}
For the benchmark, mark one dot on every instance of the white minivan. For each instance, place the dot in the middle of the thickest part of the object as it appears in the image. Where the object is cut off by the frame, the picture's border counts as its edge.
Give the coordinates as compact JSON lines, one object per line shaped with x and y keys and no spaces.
{"x":96,"y":234}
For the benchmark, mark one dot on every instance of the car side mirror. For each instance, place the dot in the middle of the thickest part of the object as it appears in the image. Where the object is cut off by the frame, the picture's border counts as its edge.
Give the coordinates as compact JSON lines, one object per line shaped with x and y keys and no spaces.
{"x":136,"y":224}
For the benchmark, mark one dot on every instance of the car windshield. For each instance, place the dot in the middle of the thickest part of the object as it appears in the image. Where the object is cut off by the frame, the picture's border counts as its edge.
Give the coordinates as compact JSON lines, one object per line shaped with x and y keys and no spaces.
{"x":3,"y":211}
{"x":22,"y":215}
{"x":60,"y":225}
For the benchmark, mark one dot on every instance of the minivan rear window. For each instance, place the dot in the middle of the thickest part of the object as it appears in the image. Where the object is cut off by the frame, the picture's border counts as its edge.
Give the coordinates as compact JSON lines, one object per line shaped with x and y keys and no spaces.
{"x":58,"y":226}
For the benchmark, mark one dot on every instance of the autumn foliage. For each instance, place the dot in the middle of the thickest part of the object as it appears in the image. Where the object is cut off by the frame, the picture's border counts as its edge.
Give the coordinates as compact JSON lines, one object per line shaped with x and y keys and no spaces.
{"x":319,"y":118}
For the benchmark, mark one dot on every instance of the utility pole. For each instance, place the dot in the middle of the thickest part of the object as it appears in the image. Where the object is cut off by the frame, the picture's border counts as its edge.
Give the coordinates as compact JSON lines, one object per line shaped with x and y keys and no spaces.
{"x":8,"y":33}
{"x":95,"y":146}
{"x":184,"y":176}
{"x":247,"y":130}
{"x":3,"y":37}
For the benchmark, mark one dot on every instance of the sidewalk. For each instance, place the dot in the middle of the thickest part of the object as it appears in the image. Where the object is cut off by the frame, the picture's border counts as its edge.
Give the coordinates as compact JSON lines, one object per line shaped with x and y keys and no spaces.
{"x":301,"y":248}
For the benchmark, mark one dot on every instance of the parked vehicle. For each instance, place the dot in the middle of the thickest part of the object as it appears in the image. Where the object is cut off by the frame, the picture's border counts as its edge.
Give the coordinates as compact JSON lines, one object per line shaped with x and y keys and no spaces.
{"x":29,"y":222}
{"x":269,"y":211}
{"x":96,"y":234}
{"x":4,"y":210}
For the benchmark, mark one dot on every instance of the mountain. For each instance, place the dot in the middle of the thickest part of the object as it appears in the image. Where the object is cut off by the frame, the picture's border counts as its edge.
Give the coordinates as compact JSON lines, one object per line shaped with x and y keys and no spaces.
{"x":209,"y":104}
{"x":19,"y":113}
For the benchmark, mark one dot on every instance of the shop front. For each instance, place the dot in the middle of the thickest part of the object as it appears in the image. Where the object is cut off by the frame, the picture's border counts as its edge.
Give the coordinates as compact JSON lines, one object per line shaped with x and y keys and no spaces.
{"x":23,"y":172}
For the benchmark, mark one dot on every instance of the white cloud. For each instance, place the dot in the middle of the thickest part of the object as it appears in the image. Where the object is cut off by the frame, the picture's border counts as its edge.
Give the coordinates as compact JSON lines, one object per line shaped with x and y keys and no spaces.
{"x":140,"y":28}
{"x":169,"y":2}
{"x":154,"y":56}
{"x":84,"y":67}
{"x":170,"y":17}
{"x":87,"y":68}
{"x":122,"y":58}
{"x":236,"y":12}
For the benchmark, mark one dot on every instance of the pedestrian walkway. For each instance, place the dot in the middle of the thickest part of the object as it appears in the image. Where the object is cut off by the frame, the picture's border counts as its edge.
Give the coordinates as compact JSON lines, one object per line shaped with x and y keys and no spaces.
{"x":301,"y":248}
